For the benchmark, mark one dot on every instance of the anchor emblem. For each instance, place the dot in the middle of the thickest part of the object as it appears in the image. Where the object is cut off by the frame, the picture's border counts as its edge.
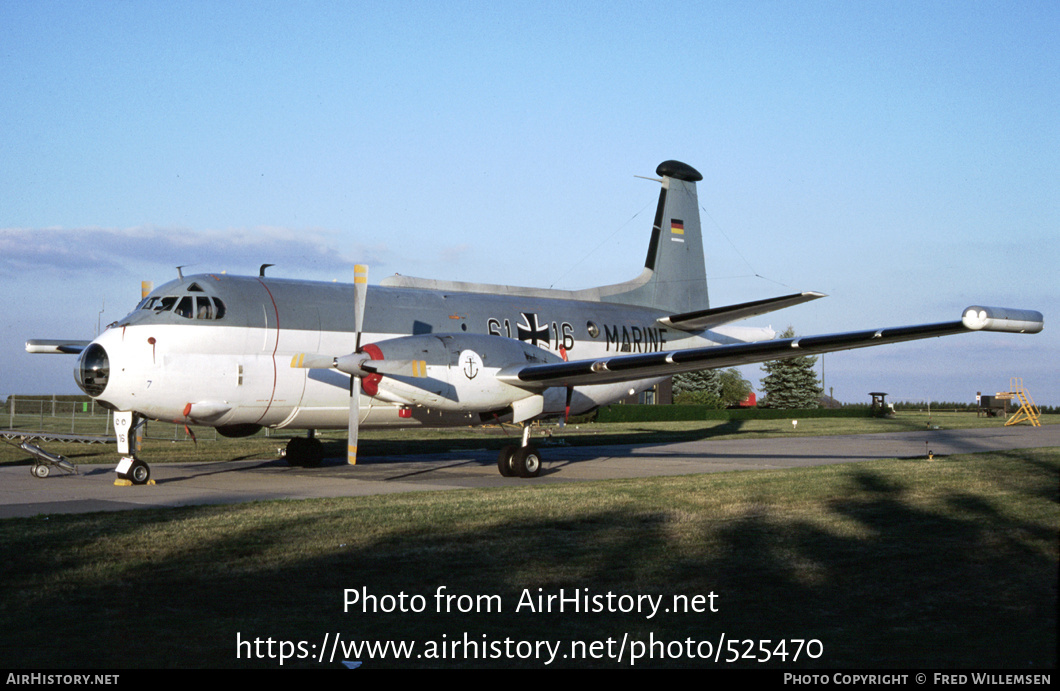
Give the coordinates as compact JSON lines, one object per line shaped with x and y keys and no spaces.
{"x":472,"y":363}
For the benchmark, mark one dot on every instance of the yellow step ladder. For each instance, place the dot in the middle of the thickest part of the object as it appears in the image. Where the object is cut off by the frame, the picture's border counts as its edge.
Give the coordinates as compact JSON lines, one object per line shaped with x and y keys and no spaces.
{"x":1028,"y":410}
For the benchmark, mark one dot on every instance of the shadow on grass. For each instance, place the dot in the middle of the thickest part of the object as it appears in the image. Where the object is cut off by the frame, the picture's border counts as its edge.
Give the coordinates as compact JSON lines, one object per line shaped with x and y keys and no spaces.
{"x":881,"y":575}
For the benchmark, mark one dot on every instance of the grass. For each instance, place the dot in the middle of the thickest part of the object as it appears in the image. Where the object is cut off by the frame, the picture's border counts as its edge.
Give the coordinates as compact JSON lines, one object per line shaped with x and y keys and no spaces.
{"x":911,"y":563}
{"x":160,"y":447}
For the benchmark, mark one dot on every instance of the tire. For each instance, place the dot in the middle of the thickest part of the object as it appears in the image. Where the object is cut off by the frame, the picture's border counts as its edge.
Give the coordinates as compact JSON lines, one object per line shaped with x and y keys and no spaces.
{"x":304,"y":452}
{"x":40,"y":470}
{"x":526,"y":462}
{"x":139,"y":473}
{"x":504,"y":461}
{"x":314,"y":455}
{"x":296,"y":452}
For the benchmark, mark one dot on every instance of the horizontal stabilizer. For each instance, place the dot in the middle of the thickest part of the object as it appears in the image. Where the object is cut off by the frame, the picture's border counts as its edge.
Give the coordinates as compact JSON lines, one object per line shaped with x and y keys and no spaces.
{"x":709,"y":318}
{"x":648,"y":365}
{"x":55,"y":347}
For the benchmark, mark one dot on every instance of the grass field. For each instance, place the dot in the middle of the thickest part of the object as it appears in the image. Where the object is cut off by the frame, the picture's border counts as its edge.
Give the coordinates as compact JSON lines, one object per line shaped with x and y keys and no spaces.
{"x":169,"y":443}
{"x":901,"y":563}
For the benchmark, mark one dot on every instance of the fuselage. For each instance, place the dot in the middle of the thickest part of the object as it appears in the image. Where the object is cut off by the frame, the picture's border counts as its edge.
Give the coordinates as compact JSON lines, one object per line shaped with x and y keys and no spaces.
{"x":219,"y":350}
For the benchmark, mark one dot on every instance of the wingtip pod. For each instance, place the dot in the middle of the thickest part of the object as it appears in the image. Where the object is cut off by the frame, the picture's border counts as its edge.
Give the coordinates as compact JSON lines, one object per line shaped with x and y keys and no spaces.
{"x":978,"y":318}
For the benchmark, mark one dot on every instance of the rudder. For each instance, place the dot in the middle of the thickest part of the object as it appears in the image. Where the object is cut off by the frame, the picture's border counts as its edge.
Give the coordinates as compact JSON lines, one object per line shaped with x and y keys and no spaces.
{"x":675,"y":275}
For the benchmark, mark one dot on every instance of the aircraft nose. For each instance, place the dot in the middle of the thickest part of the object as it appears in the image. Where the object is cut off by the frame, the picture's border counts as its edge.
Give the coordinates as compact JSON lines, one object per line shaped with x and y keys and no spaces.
{"x":93,"y":370}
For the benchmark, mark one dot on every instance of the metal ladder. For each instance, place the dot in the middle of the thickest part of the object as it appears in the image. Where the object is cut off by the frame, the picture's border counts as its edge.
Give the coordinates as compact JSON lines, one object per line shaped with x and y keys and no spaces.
{"x":1028,"y":410}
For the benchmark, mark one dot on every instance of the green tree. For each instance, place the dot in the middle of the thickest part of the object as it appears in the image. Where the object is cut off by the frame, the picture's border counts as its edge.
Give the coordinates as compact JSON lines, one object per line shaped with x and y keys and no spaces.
{"x":733,"y":387}
{"x":700,"y":388}
{"x":790,"y":383}
{"x":714,"y":388}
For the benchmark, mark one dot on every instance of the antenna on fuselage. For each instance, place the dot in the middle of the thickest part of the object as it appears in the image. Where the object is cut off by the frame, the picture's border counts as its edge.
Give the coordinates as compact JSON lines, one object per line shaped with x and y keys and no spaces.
{"x":261,"y":271}
{"x":180,"y":273}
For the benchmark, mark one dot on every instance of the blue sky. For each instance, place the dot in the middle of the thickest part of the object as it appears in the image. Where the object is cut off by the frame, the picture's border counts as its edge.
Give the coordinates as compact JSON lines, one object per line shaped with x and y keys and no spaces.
{"x":903,"y":157}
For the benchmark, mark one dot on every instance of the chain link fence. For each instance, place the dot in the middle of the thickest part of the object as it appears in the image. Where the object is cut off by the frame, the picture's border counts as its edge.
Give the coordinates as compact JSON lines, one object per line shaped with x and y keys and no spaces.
{"x":80,"y":416}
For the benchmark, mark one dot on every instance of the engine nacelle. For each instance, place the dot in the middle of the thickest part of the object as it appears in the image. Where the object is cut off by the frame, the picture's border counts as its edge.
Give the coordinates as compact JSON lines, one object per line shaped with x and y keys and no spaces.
{"x":452,"y":372}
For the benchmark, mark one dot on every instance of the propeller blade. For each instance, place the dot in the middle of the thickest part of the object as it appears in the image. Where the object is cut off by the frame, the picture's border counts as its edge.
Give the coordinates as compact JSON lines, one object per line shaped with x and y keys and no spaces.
{"x":360,"y":295}
{"x":312,"y":361}
{"x":354,"y":361}
{"x":355,"y":411}
{"x":406,"y":368}
{"x":359,"y":364}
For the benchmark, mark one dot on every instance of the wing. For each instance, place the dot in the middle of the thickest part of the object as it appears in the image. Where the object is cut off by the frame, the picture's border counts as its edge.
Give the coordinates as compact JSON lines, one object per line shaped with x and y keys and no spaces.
{"x":629,"y":367}
{"x":54,"y":346}
{"x":708,"y":319}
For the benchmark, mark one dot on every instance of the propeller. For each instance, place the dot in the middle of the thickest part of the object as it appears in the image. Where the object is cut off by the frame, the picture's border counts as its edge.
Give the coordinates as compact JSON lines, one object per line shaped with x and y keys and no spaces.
{"x":364,"y":362}
{"x":360,"y":296}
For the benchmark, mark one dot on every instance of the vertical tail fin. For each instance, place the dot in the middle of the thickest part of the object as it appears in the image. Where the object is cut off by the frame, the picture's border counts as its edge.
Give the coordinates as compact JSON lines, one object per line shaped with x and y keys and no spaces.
{"x":675,"y":275}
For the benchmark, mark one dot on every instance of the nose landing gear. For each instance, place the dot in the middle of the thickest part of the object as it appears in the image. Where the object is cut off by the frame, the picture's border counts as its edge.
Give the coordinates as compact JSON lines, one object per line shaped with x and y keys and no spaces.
{"x":131,"y":470}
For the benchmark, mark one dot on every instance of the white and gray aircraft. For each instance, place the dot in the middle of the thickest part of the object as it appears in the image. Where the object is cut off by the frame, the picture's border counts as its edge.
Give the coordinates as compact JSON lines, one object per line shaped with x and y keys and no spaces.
{"x":240,"y":353}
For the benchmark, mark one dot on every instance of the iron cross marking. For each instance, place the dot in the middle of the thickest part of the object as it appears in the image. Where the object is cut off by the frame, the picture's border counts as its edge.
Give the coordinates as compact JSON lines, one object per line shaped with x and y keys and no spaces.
{"x":531,"y":331}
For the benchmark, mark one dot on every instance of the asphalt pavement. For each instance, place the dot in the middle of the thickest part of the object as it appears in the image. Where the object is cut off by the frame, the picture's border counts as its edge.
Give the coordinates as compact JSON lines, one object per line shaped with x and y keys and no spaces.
{"x":184,"y":484}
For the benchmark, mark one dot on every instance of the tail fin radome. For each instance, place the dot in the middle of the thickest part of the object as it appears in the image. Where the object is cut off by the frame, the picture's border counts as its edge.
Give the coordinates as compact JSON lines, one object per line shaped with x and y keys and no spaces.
{"x":675,"y":275}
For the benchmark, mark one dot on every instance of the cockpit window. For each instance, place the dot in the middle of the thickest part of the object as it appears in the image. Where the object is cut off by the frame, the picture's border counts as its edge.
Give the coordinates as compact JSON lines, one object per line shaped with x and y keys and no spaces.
{"x":187,"y":306}
{"x":203,"y":308}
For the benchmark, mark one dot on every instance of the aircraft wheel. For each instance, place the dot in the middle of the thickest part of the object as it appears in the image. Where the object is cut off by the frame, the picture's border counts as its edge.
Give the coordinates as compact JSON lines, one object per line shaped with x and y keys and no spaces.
{"x":139,"y":472}
{"x":314,"y":455}
{"x":304,"y":452}
{"x":295,"y":451}
{"x":504,"y":461}
{"x":526,"y":462}
{"x":40,"y":471}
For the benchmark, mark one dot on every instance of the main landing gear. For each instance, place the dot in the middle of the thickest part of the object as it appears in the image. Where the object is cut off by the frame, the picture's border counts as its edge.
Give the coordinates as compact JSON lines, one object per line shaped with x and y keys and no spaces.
{"x":304,"y":452}
{"x":520,"y":461}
